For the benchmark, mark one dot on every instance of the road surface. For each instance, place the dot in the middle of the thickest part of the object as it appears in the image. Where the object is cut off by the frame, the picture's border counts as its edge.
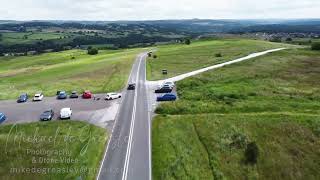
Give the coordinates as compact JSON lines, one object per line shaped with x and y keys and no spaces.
{"x":128,"y":151}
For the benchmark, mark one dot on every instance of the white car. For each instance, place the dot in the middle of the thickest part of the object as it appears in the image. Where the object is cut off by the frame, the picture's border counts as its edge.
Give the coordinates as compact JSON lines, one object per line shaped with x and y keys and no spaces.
{"x":111,"y":96}
{"x":65,"y":113}
{"x":38,"y":97}
{"x":169,"y":83}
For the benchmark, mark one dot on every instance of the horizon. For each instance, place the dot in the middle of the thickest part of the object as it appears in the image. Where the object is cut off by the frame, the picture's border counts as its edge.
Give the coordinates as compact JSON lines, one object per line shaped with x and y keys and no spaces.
{"x":142,"y":10}
{"x":181,"y":19}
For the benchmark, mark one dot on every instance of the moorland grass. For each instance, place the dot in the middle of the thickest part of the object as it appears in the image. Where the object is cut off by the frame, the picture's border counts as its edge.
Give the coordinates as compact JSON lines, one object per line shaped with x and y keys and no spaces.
{"x":72,"y":150}
{"x":67,"y":70}
{"x":181,"y":58}
{"x":272,"y":101}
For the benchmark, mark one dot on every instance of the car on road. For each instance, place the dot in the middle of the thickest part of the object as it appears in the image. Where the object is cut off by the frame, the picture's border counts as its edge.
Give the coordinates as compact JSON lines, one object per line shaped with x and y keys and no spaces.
{"x":66,"y":113}
{"x":2,"y":117}
{"x":164,"y":89}
{"x":111,"y":96}
{"x":23,"y":98}
{"x":167,"y":97}
{"x":87,"y":95}
{"x":62,"y":95}
{"x":38,"y":97}
{"x":74,"y":95}
{"x":47,"y":115}
{"x":132,"y":86}
{"x":169,"y":83}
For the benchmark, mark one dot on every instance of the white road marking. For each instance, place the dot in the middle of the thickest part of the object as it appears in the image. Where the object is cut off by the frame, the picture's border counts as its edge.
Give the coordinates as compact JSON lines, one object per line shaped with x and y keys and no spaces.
{"x":126,"y":165}
{"x":114,"y":125}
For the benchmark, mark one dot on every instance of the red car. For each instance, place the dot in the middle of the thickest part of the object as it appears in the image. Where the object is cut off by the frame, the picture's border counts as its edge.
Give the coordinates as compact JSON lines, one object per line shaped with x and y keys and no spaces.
{"x":87,"y":95}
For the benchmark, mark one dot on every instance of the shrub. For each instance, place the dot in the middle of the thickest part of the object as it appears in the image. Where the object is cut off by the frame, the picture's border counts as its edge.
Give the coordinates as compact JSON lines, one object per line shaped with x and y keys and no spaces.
{"x":252,"y":153}
{"x":218,"y":55}
{"x":93,"y":51}
{"x":315,"y":46}
{"x":187,"y":41}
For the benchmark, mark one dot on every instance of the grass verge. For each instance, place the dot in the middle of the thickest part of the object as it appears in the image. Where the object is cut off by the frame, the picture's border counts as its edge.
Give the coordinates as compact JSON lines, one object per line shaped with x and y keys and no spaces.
{"x":51,"y":150}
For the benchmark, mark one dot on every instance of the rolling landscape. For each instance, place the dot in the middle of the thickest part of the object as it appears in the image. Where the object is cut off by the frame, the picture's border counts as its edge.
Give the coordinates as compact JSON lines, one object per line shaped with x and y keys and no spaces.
{"x":139,"y":91}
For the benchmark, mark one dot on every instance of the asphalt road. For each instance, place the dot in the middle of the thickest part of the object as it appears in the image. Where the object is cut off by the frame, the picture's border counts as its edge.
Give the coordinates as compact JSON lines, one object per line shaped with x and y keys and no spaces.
{"x":101,"y":113}
{"x":128,"y":152}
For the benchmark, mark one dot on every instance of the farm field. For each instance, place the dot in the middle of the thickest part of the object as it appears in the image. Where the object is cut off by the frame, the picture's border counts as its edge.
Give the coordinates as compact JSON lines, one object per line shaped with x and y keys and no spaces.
{"x":51,"y":150}
{"x":181,"y":58}
{"x":11,"y":38}
{"x":271,"y":103}
{"x":67,"y":70}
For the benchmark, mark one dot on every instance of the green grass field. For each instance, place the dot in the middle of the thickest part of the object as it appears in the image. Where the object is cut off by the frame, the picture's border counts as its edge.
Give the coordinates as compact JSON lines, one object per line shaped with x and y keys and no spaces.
{"x":51,"y":150}
{"x":273,"y":101}
{"x":11,"y":38}
{"x":181,"y":58}
{"x":107,"y":71}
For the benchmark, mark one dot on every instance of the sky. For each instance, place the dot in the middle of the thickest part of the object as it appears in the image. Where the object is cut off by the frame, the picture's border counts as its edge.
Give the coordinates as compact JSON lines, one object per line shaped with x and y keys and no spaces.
{"x":108,"y":10}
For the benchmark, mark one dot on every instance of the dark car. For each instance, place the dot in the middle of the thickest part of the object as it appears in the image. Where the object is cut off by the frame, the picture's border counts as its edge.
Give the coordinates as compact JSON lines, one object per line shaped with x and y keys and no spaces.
{"x":62,"y":95}
{"x":132,"y":87}
{"x":23,"y":98}
{"x":74,"y":95}
{"x":47,"y":115}
{"x":164,"y":89}
{"x":2,"y":117}
{"x":167,"y":97}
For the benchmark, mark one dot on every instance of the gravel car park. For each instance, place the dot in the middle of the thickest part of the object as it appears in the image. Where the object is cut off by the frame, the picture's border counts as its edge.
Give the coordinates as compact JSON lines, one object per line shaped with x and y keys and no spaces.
{"x":101,"y":113}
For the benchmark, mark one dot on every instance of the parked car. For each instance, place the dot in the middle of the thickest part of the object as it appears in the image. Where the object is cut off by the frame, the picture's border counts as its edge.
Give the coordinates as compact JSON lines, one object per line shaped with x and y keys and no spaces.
{"x":169,"y":83}
{"x":23,"y":98}
{"x":167,"y":97}
{"x":38,"y":97}
{"x":47,"y":115}
{"x":87,"y":95}
{"x":111,"y":96}
{"x":132,"y":86}
{"x":65,"y":113}
{"x":164,"y":89}
{"x":62,"y":95}
{"x":2,"y":117}
{"x":74,"y":95}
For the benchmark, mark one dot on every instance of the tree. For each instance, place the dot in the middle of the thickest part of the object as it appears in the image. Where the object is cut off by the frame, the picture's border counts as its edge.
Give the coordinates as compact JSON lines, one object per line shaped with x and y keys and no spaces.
{"x":93,"y":51}
{"x":289,"y":39}
{"x":315,"y":46}
{"x":252,"y":153}
{"x":187,"y":41}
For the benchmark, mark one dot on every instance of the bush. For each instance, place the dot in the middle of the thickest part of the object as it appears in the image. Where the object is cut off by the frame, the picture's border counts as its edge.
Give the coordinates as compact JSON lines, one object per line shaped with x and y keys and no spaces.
{"x":252,"y":153}
{"x":155,"y":56}
{"x":315,"y":46}
{"x":218,"y":55}
{"x":187,"y":41}
{"x":93,"y":51}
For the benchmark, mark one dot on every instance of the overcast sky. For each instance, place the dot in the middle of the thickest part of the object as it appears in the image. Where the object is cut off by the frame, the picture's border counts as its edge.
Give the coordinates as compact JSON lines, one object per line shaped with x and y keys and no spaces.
{"x":157,"y":9}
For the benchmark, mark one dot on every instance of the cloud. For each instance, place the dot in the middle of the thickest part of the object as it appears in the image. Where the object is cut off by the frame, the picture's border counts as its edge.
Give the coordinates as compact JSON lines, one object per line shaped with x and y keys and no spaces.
{"x":164,"y":9}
